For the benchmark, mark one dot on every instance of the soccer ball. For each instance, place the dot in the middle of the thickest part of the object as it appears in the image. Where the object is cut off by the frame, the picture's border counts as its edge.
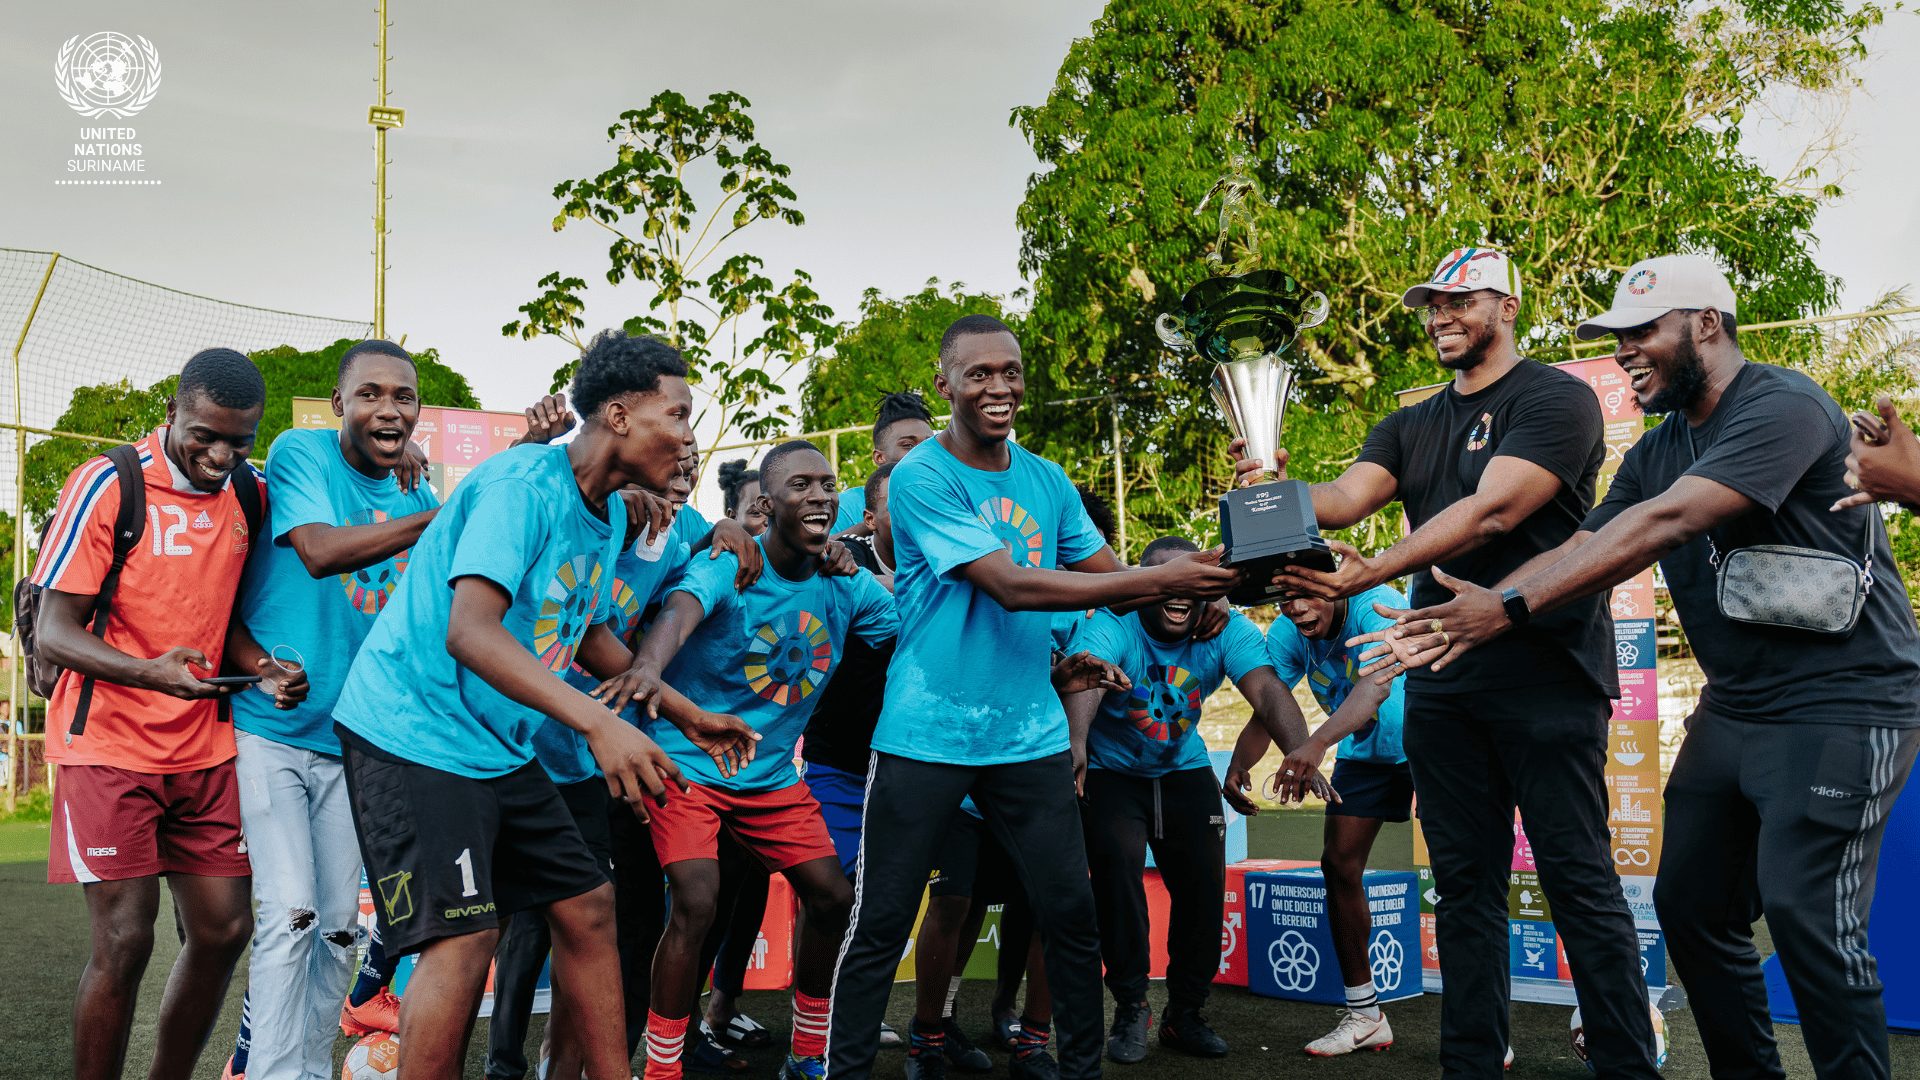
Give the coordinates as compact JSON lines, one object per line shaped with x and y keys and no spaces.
{"x":1578,"y":1036}
{"x":376,"y":1057}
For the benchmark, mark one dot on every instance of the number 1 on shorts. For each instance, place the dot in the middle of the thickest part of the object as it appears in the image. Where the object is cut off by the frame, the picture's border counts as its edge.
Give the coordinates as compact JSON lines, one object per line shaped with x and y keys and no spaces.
{"x":465,"y":862}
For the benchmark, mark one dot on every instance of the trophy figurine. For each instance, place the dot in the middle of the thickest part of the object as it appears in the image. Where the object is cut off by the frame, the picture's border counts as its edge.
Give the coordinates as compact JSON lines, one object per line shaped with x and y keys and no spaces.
{"x":1244,"y":323}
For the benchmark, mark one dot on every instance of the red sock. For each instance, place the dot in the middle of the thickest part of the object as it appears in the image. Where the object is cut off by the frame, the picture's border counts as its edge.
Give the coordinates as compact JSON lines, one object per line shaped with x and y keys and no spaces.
{"x":809,"y":1025}
{"x":665,"y":1038}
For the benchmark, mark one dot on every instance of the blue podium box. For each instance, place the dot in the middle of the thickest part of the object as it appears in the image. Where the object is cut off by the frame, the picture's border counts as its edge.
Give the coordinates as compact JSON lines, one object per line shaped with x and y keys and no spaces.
{"x":1290,"y":944}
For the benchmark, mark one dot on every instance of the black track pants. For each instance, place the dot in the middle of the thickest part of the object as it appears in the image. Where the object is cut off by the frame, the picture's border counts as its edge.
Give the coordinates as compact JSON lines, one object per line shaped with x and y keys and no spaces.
{"x":1180,"y":817}
{"x":1781,"y":819}
{"x":1032,"y":810}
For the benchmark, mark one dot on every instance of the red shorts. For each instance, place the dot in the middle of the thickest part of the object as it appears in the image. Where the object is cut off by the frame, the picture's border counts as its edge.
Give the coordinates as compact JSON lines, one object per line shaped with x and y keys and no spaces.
{"x":112,"y":824}
{"x":783,"y":827}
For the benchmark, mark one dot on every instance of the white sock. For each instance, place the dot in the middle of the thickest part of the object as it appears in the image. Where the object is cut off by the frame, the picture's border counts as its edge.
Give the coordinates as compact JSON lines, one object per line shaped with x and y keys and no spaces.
{"x":1363,"y":1000}
{"x":953,"y":991}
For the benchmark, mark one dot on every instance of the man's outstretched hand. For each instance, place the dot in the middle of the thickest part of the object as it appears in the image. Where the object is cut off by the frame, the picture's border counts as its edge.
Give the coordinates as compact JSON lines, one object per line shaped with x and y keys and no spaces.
{"x":723,"y":737}
{"x":1434,"y":636}
{"x":1085,"y":671}
{"x":637,"y":770}
{"x":1883,"y":462}
{"x":1353,"y":575}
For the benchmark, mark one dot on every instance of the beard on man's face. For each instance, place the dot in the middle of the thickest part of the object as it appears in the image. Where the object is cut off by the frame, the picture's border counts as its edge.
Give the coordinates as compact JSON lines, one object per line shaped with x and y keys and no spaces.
{"x":1479,"y":344}
{"x":1685,"y":377}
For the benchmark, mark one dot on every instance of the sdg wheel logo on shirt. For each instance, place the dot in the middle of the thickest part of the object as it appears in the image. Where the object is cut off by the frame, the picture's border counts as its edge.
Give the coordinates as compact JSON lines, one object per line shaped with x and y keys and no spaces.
{"x":626,"y":613}
{"x":369,"y":589}
{"x":626,"y":609}
{"x":1482,"y":433}
{"x":1014,"y":527}
{"x":1166,"y":704}
{"x":787,"y":660}
{"x":562,"y":621}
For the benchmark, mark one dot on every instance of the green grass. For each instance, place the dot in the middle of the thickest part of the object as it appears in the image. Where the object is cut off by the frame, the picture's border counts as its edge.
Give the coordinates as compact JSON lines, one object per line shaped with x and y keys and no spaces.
{"x":46,"y":947}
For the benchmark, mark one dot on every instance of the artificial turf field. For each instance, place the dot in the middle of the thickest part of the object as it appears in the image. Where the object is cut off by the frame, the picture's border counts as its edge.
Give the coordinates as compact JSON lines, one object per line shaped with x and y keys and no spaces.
{"x":44,"y":947}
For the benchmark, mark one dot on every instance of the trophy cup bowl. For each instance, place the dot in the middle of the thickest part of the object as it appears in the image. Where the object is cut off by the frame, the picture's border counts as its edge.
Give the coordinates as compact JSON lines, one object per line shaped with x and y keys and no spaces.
{"x":1244,"y":324}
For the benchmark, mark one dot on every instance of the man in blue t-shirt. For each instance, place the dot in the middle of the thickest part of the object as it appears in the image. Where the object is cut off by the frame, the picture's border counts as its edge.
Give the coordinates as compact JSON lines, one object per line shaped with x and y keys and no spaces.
{"x":981,"y":528}
{"x":1370,"y":773}
{"x":761,"y":654}
{"x":1150,"y":784}
{"x":340,"y":528}
{"x":642,"y":568}
{"x":457,"y":824}
{"x":901,"y":423}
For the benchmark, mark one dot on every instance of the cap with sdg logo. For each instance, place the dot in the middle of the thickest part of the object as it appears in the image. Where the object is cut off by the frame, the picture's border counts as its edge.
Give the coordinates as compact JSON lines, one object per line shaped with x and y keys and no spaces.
{"x":1652,"y":287}
{"x":1466,"y":270}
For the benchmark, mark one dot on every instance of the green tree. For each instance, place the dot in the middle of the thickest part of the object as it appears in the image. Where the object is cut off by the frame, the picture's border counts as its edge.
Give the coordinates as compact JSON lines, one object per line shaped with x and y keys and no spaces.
{"x":895,"y":345}
{"x":741,"y":333}
{"x":1577,"y":135}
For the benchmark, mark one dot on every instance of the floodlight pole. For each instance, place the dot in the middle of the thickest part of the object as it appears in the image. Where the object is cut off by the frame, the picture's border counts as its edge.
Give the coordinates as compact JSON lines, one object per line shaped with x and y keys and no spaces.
{"x":383,"y":117}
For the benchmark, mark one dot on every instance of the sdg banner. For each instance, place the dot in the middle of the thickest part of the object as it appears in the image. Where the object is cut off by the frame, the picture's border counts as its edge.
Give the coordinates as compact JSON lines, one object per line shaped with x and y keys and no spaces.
{"x":1537,"y":959}
{"x":454,"y":440}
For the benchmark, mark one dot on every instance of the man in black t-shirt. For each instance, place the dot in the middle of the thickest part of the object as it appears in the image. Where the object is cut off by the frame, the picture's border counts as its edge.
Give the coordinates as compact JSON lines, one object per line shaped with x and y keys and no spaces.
{"x":1802,"y":738}
{"x":1494,"y":469}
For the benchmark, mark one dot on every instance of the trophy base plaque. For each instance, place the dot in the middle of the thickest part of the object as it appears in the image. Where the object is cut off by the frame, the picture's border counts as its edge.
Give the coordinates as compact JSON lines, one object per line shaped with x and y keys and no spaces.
{"x":1266,"y":527}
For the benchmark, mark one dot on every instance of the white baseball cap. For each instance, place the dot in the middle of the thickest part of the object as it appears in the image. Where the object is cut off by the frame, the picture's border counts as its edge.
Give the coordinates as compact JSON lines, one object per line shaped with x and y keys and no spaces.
{"x":1464,"y":270}
{"x":1652,"y":287}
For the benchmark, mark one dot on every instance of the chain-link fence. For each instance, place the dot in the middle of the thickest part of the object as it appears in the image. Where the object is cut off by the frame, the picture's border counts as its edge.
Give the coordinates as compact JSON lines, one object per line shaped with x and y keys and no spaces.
{"x":89,"y":347}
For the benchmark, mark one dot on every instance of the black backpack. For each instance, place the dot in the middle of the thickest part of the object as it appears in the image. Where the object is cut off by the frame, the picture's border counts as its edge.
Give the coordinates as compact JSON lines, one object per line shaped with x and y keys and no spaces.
{"x":129,"y":525}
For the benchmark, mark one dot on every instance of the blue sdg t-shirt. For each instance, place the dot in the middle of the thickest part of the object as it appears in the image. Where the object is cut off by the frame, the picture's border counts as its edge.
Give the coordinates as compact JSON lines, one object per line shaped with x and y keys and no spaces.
{"x":638,"y":572}
{"x":969,"y":682}
{"x":762,"y":655}
{"x":1149,"y":729}
{"x":1330,"y":673}
{"x":324,"y":620}
{"x":519,"y":521}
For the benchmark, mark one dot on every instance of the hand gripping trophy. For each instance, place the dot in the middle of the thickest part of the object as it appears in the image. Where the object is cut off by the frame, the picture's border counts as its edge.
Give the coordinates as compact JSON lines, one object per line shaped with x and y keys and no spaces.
{"x":1244,"y":322}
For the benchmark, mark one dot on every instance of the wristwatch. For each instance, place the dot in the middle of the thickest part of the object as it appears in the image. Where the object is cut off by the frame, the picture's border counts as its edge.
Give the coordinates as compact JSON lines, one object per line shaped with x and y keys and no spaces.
{"x":1516,"y":606}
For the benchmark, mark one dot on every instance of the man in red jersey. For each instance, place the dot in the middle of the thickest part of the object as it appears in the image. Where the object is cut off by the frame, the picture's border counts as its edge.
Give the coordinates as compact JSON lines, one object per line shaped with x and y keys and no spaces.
{"x":146,"y":780}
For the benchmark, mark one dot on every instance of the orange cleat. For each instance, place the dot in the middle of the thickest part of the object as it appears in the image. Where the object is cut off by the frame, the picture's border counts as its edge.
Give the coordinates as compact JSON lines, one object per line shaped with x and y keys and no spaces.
{"x":381,"y":1012}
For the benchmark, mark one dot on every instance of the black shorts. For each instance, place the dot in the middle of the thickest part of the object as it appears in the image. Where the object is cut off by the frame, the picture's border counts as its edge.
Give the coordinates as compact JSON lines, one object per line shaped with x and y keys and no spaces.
{"x":588,"y":802}
{"x":1369,"y":789}
{"x":971,"y":863}
{"x":448,"y":855}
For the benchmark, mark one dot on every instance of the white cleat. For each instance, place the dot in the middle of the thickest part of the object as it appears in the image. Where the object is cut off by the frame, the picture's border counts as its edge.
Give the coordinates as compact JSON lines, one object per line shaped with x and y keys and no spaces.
{"x":1508,"y":1064}
{"x":1354,"y":1032}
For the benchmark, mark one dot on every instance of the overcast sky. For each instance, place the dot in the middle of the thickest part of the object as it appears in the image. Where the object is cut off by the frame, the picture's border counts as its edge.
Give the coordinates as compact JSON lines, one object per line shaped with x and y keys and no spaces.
{"x":892,"y":114}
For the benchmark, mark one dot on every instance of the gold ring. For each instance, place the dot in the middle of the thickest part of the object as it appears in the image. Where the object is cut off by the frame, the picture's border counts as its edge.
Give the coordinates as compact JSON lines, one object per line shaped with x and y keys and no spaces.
{"x":1444,"y":639}
{"x":1853,"y":481}
{"x":1437,"y":628}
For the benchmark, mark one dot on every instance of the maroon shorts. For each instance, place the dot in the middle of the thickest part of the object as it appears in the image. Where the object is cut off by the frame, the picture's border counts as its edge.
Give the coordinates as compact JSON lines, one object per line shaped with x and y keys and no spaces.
{"x":783,"y":827}
{"x":112,"y":824}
